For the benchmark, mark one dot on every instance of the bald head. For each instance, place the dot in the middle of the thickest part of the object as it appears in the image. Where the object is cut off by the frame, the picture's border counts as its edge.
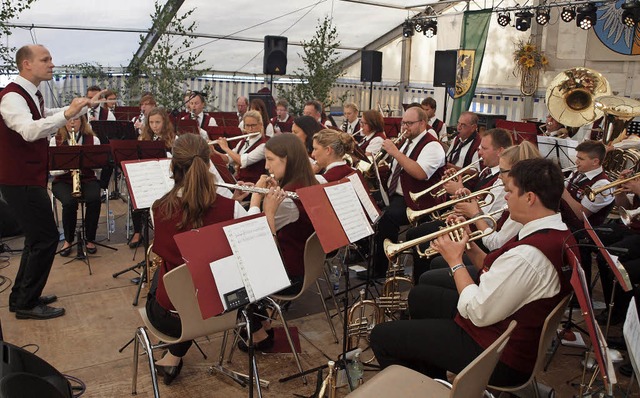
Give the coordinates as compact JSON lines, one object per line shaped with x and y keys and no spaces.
{"x":35,"y":63}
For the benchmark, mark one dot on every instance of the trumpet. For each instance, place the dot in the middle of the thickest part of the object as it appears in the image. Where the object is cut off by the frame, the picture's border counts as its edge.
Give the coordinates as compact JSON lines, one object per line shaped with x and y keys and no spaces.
{"x":392,"y":250}
{"x":380,"y":158}
{"x":76,"y":181}
{"x":628,"y":216}
{"x":441,"y":191}
{"x":592,"y":193}
{"x":246,"y":188}
{"x":414,"y":215}
{"x":238,"y":137}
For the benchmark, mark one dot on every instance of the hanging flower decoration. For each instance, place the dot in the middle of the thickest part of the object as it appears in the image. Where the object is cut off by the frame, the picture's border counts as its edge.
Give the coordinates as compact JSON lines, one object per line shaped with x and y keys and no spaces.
{"x":527,"y":57}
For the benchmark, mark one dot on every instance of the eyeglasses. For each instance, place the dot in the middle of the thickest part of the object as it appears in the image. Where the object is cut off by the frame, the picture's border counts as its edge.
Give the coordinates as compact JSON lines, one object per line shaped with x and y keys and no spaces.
{"x":503,"y":171}
{"x":409,"y":124}
{"x":251,"y":126}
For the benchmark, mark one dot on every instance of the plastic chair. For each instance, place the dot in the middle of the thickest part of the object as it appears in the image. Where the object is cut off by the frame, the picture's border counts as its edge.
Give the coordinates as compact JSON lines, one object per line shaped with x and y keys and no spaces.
{"x":471,"y":382}
{"x":183,"y":296}
{"x":549,"y":332}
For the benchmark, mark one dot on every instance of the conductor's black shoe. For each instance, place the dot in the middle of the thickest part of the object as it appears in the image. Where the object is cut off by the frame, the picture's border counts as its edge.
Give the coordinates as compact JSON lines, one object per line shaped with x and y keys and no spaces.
{"x":45,"y":300}
{"x":65,"y":252}
{"x":40,"y":311}
{"x":264,"y":345}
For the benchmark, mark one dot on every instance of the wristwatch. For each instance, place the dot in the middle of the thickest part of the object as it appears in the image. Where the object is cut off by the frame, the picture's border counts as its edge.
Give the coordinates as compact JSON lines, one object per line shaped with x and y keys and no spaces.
{"x":453,"y":269}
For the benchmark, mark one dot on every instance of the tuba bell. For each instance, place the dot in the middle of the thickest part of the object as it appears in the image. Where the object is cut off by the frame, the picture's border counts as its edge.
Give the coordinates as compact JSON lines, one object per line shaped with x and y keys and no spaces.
{"x":619,"y":113}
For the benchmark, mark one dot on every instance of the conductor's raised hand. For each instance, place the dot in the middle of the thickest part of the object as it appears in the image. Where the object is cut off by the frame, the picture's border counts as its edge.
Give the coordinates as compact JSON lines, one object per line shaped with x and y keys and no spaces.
{"x":75,"y":107}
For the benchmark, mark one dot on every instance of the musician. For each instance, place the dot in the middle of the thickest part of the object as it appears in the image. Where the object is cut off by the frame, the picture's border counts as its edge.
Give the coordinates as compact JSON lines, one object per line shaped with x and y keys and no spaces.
{"x":110,"y":105}
{"x":248,"y":154}
{"x":315,"y":110}
{"x":372,"y":124}
{"x":196,"y":106}
{"x":463,"y":149}
{"x":575,"y":204}
{"x":99,"y":111}
{"x":416,"y":165}
{"x":555,"y":128}
{"x":524,"y":280}
{"x":90,"y":188}
{"x":288,"y":163}
{"x":329,"y":148}
{"x":283,"y":121}
{"x":305,"y":127}
{"x":493,"y":143}
{"x":242,"y":105}
{"x":111,"y":98}
{"x":25,"y":128}
{"x":171,"y":215}
{"x":351,"y":124}
{"x":429,"y":106}
{"x":147,"y":102}
{"x":258,"y":105}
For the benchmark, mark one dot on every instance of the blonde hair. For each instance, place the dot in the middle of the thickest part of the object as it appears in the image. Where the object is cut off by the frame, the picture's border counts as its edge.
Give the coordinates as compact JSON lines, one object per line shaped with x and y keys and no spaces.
{"x":255,"y":115}
{"x":341,"y":142}
{"x":85,"y":128}
{"x":522,"y":151}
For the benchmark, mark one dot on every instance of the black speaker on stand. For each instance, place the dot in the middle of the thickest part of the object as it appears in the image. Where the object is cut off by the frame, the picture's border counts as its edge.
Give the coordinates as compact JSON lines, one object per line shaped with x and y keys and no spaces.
{"x":444,"y":73}
{"x":275,"y":56}
{"x":371,"y":70}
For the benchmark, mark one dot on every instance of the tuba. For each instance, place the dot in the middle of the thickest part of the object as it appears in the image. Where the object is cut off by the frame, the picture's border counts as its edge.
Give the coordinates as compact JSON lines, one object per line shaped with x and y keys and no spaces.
{"x":619,"y":113}
{"x":76,"y":181}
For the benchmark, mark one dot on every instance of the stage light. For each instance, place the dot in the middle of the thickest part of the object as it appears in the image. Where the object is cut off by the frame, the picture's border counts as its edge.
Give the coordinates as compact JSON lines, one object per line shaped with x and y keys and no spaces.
{"x":418,"y":26}
{"x":631,"y":14}
{"x":504,"y":18}
{"x":586,"y":18}
{"x":430,"y":28}
{"x":523,"y":20}
{"x":543,"y":16}
{"x":568,"y":13}
{"x":407,"y":28}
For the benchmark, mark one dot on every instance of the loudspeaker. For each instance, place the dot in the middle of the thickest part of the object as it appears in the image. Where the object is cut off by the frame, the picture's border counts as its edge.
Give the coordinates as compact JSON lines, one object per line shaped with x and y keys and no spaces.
{"x":371,"y":66}
{"x":444,"y":71}
{"x":275,"y":55}
{"x":23,"y":374}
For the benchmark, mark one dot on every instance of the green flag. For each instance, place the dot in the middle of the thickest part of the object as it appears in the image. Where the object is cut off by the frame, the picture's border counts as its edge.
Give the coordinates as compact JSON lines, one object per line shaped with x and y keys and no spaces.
{"x":472,"y":44}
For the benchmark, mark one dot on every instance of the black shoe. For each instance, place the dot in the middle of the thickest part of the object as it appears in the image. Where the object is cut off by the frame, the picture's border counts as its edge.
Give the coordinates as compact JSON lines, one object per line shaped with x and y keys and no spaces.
{"x":626,"y":369}
{"x":135,"y":244}
{"x":65,"y":252}
{"x":114,"y":195}
{"x":40,"y":311}
{"x":44,"y":300}
{"x":616,"y":343}
{"x":169,"y":372}
{"x":264,"y":345}
{"x":92,"y":250}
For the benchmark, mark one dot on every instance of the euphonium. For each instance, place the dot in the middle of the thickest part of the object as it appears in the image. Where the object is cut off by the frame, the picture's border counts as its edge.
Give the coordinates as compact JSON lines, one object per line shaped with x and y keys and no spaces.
{"x":76,"y":182}
{"x":441,"y":191}
{"x":392,"y":250}
{"x":414,"y":215}
{"x":363,"y":316}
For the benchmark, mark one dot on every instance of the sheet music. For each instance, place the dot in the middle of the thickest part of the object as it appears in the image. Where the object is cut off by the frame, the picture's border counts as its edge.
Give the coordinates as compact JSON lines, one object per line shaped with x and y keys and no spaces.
{"x":347,"y":207}
{"x":149,"y":180}
{"x":363,"y":195}
{"x":258,"y":257}
{"x":631,"y":332}
{"x":227,"y":276}
{"x":560,"y":150}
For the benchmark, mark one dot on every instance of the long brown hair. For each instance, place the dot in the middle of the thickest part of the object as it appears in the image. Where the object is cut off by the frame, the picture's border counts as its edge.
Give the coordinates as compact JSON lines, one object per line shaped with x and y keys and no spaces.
{"x":167,"y":134}
{"x":298,"y":169}
{"x":190,"y":167}
{"x":85,"y":128}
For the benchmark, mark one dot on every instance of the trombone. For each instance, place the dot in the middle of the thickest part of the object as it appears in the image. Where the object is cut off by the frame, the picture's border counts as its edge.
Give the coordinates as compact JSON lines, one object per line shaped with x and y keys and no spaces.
{"x":414,"y":215}
{"x":392,"y":250}
{"x":441,"y":191}
{"x":592,"y":193}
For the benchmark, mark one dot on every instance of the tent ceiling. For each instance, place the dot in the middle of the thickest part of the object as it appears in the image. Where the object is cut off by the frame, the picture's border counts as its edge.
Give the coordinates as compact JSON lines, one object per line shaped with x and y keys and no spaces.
{"x":245,"y":21}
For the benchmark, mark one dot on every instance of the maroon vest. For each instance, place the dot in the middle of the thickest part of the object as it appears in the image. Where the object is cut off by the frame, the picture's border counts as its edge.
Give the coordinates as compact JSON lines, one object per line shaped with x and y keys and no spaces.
{"x":285,"y":127}
{"x":577,"y":192}
{"x":364,"y":144}
{"x":165,"y":246}
{"x":22,"y":162}
{"x":473,"y":148}
{"x":410,"y":184}
{"x":292,"y":239}
{"x":87,"y":174}
{"x":522,"y":349}
{"x":205,"y":121}
{"x":252,"y":172}
{"x":338,"y":172}
{"x":103,"y":114}
{"x":436,"y":126}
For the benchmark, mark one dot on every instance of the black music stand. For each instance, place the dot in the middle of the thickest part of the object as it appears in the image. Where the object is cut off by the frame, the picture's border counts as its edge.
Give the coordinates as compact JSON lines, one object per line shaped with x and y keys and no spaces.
{"x":556,"y":151}
{"x":78,"y":157}
{"x":138,"y":150}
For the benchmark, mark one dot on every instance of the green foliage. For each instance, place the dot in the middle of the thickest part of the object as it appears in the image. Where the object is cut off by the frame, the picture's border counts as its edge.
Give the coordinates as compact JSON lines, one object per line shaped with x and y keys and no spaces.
{"x":321,"y":69}
{"x":9,"y":10}
{"x":171,"y":63}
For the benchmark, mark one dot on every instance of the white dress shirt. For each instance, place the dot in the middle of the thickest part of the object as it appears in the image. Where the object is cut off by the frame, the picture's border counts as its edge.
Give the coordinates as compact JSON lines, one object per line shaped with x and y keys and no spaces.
{"x":249,"y":158}
{"x":498,"y":192}
{"x":375,"y":144}
{"x":287,"y":213}
{"x":497,"y":239}
{"x":602,"y":200}
{"x":442,"y":133}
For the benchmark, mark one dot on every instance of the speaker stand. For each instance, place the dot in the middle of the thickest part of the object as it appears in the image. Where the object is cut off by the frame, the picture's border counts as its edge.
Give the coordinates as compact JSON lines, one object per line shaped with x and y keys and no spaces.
{"x":371,"y":94}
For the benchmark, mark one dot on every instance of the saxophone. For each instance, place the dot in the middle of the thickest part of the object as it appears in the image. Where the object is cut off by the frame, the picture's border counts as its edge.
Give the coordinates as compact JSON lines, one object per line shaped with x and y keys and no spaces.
{"x":76,"y":190}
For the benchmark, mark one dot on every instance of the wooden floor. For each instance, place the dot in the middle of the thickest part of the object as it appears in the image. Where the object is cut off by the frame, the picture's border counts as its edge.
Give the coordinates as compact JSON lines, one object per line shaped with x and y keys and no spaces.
{"x":100,"y":318}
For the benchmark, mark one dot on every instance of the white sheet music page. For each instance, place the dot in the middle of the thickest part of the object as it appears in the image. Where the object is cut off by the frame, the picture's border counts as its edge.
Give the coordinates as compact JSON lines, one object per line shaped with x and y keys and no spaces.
{"x":257,"y":256}
{"x":365,"y":199}
{"x":347,"y":206}
{"x":149,"y":181}
{"x":227,"y":276}
{"x":631,"y":332}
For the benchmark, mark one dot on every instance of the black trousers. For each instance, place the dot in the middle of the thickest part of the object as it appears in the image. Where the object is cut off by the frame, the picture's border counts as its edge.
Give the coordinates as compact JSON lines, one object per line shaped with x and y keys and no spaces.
{"x":137,"y":217}
{"x":91,"y":195}
{"x":394,"y":216}
{"x":431,"y":342}
{"x":31,"y":206}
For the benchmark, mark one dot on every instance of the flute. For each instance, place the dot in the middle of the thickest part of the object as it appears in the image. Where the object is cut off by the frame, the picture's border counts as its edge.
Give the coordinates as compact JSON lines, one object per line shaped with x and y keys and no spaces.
{"x":238,"y":137}
{"x":246,"y":188}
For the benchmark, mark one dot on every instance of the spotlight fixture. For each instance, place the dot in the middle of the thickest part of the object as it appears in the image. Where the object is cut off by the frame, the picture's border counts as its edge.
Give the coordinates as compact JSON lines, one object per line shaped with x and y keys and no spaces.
{"x":504,"y":18}
{"x":407,"y":28}
{"x":568,"y":13}
{"x":418,"y":26}
{"x":523,"y":20}
{"x":430,"y":28}
{"x":631,"y":14}
{"x":543,"y":15}
{"x":586,"y":17}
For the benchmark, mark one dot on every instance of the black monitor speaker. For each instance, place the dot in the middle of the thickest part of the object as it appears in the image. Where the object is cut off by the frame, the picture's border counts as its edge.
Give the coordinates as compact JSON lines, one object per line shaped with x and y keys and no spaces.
{"x":275,"y":55}
{"x":371,"y":66}
{"x":444,"y":71}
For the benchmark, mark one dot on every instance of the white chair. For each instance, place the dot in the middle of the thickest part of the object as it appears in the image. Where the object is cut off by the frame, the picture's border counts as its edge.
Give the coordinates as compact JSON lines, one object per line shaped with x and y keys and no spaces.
{"x":471,"y":382}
